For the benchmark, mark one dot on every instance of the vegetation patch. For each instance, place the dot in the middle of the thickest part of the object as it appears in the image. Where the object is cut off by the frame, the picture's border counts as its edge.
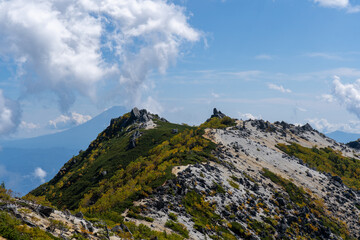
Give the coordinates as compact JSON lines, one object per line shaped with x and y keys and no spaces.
{"x":143,"y":232}
{"x":234,"y":184}
{"x":173,"y":216}
{"x":177,"y":227}
{"x":218,"y":188}
{"x":219,"y":123}
{"x":11,"y":228}
{"x":239,"y":230}
{"x":204,"y":217}
{"x":327,"y":160}
{"x":132,"y":214}
{"x":296,"y":194}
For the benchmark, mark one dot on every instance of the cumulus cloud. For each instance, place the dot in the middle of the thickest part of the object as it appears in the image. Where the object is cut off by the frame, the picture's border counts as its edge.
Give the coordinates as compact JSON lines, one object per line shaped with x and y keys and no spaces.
{"x":347,"y":95}
{"x":73,"y":47}
{"x":278,"y":88}
{"x":9,"y":115}
{"x":40,"y":174}
{"x":247,"y":116}
{"x":342,"y":4}
{"x":66,"y":121}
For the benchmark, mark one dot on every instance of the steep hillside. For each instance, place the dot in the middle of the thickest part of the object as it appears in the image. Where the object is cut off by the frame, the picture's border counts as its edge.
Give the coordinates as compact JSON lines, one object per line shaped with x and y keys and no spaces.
{"x":19,"y":158}
{"x":145,"y":178}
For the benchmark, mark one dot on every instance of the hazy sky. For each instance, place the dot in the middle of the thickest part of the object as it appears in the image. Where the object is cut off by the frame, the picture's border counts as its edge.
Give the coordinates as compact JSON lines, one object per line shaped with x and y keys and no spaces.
{"x":62,"y":62}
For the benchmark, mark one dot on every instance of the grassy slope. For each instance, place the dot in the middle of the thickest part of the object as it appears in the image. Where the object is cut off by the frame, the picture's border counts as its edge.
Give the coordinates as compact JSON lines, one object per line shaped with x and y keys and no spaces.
{"x":109,"y":152}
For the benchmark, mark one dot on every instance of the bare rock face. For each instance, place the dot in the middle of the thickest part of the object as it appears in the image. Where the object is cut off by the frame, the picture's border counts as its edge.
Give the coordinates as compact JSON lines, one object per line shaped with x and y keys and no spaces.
{"x":133,"y":138}
{"x":137,"y":115}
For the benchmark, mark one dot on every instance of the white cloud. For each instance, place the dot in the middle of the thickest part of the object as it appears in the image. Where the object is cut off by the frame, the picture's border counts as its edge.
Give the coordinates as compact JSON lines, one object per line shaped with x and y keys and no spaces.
{"x":333,"y":3}
{"x":347,"y":95}
{"x":40,"y":173}
{"x":323,"y":125}
{"x":28,"y":125}
{"x":70,"y":47}
{"x":341,"y":4}
{"x":246,"y":116}
{"x":66,"y":121}
{"x":278,"y":88}
{"x":327,"y":98}
{"x":9,"y":115}
{"x":263,"y":57}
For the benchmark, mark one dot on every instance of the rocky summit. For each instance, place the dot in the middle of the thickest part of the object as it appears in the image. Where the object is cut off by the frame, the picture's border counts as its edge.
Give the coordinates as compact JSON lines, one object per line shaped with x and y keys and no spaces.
{"x":146,"y":178}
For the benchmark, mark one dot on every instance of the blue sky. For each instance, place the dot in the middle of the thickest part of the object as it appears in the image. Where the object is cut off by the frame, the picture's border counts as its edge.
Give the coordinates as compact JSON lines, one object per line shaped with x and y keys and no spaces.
{"x":63,"y":62}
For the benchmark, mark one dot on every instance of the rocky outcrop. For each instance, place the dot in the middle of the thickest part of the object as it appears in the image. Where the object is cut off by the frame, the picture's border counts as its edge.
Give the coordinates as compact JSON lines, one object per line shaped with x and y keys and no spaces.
{"x":45,"y":211}
{"x":61,"y":224}
{"x":136,"y":134}
{"x":354,"y":144}
{"x":139,"y":117}
{"x":217,"y":114}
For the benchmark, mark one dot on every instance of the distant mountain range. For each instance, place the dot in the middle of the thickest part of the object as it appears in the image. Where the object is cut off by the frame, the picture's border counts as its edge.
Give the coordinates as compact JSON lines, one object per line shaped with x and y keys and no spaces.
{"x":20,"y":158}
{"x":77,"y":137}
{"x":343,"y":137}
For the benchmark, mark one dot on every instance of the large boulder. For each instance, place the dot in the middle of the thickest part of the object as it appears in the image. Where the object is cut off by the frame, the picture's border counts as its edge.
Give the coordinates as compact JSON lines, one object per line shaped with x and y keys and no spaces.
{"x":135,"y":113}
{"x":307,"y":127}
{"x":79,"y":215}
{"x":45,"y":211}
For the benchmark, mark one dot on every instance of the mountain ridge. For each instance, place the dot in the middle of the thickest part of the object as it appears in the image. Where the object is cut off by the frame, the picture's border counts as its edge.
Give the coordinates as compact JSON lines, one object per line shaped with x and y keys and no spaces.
{"x":225,"y":179}
{"x":343,"y":137}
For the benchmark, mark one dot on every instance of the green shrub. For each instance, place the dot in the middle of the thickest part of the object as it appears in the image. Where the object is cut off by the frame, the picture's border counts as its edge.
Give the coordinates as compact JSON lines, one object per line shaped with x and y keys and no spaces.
{"x":131,"y":214}
{"x":296,"y":194}
{"x":173,"y":216}
{"x":13,"y":229}
{"x":178,"y":227}
{"x":234,"y":184}
{"x":219,"y":123}
{"x":238,"y":229}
